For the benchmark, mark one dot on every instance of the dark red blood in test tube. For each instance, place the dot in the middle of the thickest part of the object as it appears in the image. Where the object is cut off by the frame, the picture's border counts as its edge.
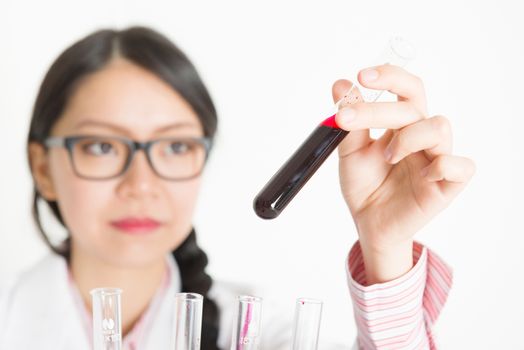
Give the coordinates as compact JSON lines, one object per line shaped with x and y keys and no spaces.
{"x":299,"y":168}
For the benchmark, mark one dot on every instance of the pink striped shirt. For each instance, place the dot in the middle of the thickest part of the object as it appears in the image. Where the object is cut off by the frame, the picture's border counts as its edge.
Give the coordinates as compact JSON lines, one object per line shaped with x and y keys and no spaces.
{"x":399,"y":314}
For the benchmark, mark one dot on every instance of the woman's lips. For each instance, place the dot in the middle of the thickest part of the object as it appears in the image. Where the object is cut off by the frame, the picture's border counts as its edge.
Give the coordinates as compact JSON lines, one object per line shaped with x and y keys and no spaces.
{"x":136,"y":225}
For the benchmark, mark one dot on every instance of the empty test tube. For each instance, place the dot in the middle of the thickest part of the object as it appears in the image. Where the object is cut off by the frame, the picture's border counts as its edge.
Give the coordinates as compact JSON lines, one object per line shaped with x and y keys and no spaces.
{"x":188,"y":321}
{"x":308,"y":313}
{"x":107,"y":324}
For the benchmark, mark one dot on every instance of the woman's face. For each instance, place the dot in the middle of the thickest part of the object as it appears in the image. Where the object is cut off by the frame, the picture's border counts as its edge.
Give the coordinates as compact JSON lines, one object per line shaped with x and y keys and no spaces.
{"x":124,"y":100}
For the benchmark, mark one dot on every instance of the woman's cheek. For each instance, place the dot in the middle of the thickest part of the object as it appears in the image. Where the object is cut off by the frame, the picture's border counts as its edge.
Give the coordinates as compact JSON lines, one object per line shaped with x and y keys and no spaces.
{"x":182,"y":201}
{"x":78,"y":199}
{"x":84,"y":205}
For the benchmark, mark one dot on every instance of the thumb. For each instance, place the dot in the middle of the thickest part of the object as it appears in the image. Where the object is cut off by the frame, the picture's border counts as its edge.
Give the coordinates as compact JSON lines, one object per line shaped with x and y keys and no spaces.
{"x":355,"y":139}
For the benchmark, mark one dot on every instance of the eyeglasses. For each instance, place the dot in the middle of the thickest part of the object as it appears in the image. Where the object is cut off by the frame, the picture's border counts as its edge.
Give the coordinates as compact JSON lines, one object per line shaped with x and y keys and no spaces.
{"x":104,"y":157}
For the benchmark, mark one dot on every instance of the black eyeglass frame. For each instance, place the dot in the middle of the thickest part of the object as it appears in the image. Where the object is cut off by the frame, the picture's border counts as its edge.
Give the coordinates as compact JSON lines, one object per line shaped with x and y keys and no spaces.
{"x":68,"y":142}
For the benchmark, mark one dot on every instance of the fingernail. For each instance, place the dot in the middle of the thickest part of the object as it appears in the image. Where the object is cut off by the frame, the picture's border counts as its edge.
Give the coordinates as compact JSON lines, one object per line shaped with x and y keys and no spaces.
{"x":347,"y":115}
{"x":424,"y":172}
{"x":369,"y":74}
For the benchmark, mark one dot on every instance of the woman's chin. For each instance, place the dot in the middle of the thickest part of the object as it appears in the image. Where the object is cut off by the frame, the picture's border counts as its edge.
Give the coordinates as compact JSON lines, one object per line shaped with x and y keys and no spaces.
{"x":133,"y":255}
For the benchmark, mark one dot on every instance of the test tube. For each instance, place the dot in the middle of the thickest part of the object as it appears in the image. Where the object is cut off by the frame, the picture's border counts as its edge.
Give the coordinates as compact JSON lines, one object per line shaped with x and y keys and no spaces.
{"x":306,"y":329}
{"x":246,"y":329}
{"x":188,"y":321}
{"x":107,"y":324}
{"x":398,"y":52}
{"x":298,"y":169}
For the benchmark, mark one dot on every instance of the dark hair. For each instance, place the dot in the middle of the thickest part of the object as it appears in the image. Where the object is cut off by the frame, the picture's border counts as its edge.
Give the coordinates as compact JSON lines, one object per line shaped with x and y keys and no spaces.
{"x":154,"y":52}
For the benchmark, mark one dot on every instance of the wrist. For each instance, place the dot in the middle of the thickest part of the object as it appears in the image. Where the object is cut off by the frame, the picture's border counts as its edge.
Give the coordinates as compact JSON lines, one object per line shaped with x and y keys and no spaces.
{"x":388,"y":262}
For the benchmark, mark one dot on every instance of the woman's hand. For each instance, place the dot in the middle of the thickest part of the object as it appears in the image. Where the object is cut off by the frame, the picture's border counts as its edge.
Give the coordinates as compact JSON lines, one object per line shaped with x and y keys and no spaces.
{"x":394,"y":185}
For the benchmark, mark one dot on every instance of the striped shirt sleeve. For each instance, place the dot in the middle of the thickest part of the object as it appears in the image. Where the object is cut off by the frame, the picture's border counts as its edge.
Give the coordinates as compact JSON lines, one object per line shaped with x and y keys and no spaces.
{"x":399,"y":314}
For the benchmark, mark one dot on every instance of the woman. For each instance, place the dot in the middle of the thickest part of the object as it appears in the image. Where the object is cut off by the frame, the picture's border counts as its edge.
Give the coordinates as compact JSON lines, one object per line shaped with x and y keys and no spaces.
{"x":121,"y":130}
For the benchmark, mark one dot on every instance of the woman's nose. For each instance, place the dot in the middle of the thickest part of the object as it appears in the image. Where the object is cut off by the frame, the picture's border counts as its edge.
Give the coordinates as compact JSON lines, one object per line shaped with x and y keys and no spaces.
{"x":140,"y":179}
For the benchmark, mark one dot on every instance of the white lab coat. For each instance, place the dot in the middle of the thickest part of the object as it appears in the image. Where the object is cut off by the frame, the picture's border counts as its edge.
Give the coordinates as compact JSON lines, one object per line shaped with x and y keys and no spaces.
{"x":38,"y":311}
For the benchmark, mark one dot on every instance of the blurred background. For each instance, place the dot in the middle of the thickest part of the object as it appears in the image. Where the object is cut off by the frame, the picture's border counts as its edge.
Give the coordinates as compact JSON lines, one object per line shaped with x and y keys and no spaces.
{"x":269,"y":67}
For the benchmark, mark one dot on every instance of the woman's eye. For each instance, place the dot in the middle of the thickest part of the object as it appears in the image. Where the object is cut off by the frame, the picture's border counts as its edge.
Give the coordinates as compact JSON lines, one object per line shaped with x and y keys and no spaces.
{"x":99,"y":148}
{"x":178,"y":148}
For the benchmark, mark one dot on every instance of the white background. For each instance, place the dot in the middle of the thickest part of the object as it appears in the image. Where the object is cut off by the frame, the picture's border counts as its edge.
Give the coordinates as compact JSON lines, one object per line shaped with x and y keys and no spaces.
{"x":269,"y":67}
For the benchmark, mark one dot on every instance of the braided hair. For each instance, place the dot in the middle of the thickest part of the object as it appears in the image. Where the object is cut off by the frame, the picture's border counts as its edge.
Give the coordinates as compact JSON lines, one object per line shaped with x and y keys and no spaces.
{"x":192,"y":261}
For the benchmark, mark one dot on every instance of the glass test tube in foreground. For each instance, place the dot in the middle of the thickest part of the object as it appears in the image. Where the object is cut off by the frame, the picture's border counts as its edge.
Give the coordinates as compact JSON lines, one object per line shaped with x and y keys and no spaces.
{"x":188,"y":321}
{"x":246,"y":329}
{"x":298,"y":169}
{"x":107,"y":324}
{"x":308,"y":313}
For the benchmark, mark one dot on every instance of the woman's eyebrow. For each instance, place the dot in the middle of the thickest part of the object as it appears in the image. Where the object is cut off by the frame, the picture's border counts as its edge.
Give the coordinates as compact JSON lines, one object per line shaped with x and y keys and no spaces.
{"x":123,"y":130}
{"x":178,"y":125}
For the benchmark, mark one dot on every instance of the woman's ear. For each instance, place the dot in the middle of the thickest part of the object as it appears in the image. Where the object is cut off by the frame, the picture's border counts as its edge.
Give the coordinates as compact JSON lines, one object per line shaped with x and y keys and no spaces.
{"x":38,"y":160}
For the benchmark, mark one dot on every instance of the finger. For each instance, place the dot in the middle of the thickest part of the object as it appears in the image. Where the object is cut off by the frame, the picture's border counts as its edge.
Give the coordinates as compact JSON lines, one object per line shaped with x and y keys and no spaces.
{"x":396,"y":80}
{"x":386,"y":115}
{"x":356,"y":139}
{"x":453,"y":171}
{"x":449,"y":168}
{"x":431,"y":135}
